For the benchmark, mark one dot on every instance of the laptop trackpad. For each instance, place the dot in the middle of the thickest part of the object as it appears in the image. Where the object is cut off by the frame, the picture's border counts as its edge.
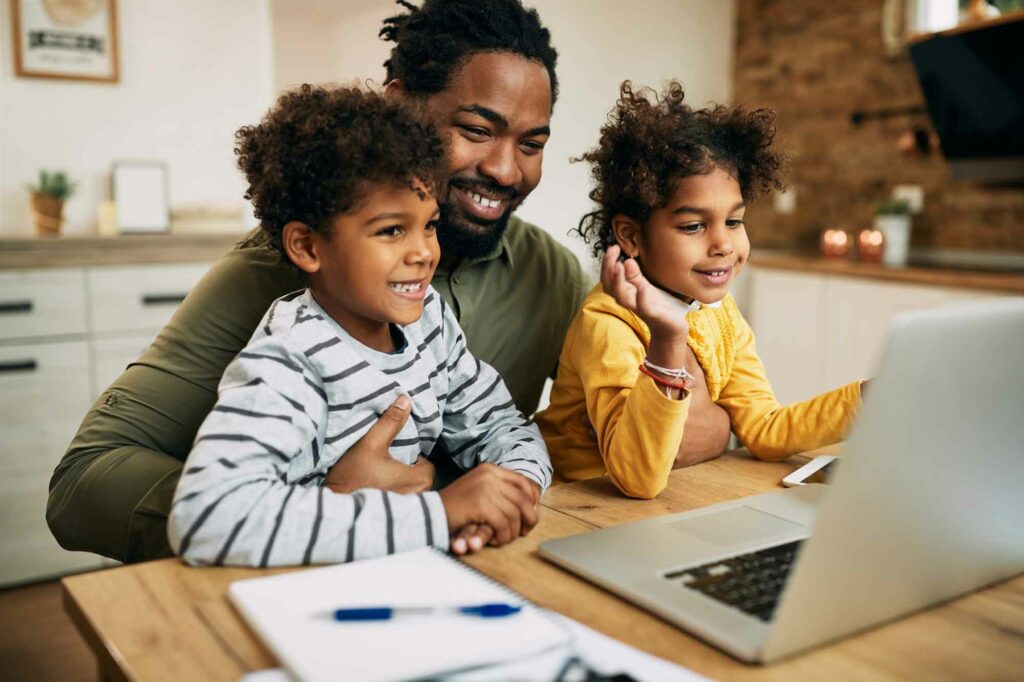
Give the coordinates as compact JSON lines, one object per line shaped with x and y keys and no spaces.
{"x":736,"y":525}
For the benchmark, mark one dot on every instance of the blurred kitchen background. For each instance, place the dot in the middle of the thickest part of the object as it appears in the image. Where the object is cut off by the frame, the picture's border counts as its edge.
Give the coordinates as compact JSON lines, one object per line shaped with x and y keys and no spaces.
{"x":874,"y":160}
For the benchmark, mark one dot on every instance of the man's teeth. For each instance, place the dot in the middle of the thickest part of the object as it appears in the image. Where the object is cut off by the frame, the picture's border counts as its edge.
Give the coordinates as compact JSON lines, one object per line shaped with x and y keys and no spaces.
{"x":406,"y":288}
{"x":484,"y":201}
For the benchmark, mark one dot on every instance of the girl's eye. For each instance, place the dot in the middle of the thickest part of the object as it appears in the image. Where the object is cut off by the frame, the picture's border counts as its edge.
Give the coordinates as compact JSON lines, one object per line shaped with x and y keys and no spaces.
{"x":692,"y":228}
{"x":389,"y":231}
{"x":431,"y":226}
{"x":735,"y":222}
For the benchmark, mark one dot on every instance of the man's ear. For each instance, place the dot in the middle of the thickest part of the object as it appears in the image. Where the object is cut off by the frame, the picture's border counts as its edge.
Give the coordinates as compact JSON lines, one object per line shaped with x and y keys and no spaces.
{"x":627,"y":234}
{"x":395,"y":88}
{"x":301,"y":247}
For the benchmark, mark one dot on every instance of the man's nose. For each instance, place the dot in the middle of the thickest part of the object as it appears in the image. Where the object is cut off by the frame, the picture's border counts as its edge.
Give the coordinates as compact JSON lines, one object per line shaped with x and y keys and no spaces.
{"x":501,"y":164}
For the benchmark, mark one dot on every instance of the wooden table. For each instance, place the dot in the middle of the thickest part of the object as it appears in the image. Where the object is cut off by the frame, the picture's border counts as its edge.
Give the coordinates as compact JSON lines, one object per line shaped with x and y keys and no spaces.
{"x":164,"y":621}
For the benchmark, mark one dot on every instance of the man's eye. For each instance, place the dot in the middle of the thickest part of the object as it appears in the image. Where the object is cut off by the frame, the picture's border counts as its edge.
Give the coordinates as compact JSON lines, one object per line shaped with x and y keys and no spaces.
{"x":390,"y":231}
{"x":735,"y":222}
{"x":692,"y":228}
{"x":474,"y":133}
{"x":533,"y":147}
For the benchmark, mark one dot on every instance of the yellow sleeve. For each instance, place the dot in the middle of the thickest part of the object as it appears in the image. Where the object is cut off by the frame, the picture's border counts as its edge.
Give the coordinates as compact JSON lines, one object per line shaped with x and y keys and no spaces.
{"x":638,"y":428}
{"x":769,"y":430}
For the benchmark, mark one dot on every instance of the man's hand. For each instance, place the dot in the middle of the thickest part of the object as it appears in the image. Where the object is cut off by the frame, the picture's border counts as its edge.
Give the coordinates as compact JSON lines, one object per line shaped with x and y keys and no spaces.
{"x":707,"y":425}
{"x":368,"y":463}
{"x":489,"y":505}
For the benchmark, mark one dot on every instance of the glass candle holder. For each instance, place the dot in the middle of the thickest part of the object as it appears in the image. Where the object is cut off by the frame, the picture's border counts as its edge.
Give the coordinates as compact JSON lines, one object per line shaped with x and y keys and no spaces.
{"x":870,"y":245}
{"x":835,"y":243}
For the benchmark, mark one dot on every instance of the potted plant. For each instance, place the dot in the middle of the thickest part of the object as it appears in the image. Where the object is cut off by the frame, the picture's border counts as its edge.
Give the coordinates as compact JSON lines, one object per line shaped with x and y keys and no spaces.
{"x":892,"y":219}
{"x":48,"y":201}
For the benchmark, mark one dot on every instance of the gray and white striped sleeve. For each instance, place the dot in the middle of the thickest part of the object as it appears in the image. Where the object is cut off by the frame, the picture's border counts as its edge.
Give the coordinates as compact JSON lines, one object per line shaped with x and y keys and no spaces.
{"x":248,"y":493}
{"x":481,"y":421}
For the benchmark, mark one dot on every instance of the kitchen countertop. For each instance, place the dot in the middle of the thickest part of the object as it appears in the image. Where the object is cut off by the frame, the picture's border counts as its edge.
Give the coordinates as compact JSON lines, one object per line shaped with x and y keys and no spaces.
{"x":1010,"y":281}
{"x":29,"y":252}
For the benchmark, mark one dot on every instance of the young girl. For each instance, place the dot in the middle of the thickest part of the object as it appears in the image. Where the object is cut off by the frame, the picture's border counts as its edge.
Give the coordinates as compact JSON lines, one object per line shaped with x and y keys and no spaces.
{"x":342,"y":181}
{"x":661,"y":327}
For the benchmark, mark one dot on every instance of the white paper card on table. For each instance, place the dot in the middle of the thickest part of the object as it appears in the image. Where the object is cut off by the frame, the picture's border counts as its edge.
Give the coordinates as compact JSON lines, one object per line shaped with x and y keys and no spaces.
{"x":290,"y":614}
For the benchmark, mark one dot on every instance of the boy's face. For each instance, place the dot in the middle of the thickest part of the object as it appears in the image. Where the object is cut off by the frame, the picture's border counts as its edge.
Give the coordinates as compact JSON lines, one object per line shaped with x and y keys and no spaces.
{"x":697,"y":243}
{"x":496,"y":113}
{"x":375,"y":265}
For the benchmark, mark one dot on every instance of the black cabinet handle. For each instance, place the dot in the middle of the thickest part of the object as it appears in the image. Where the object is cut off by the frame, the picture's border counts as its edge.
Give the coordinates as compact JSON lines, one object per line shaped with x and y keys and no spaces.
{"x":15,"y":307}
{"x":162,"y":299}
{"x":19,"y":366}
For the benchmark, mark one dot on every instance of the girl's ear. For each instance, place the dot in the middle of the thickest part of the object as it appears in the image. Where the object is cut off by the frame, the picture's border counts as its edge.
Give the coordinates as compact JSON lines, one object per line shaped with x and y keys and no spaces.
{"x":395,"y":88}
{"x":627,"y":234}
{"x":301,"y":247}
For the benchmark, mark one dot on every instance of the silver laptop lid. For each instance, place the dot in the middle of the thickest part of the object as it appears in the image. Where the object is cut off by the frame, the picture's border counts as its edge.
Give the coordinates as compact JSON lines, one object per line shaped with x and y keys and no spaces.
{"x":928,"y":502}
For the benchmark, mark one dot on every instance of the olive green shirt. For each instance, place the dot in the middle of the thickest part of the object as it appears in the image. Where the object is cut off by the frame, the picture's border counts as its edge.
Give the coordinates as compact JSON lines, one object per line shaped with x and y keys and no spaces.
{"x":112,"y":490}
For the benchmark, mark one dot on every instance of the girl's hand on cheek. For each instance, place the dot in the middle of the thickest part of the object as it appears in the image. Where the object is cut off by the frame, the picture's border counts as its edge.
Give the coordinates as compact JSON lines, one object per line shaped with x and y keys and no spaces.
{"x":623,"y":281}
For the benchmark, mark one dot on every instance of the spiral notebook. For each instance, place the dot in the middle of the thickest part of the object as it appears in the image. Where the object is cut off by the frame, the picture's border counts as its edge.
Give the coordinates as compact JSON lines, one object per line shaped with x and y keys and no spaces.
{"x":288,"y":612}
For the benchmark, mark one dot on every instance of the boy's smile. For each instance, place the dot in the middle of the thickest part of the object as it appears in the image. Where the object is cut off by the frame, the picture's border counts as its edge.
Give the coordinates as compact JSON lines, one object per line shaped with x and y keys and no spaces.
{"x":696,"y":244}
{"x":373,"y":267}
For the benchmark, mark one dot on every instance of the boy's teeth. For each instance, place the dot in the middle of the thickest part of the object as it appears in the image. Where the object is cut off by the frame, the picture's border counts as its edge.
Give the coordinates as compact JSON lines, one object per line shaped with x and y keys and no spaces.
{"x":484,"y":201}
{"x":405,"y":288}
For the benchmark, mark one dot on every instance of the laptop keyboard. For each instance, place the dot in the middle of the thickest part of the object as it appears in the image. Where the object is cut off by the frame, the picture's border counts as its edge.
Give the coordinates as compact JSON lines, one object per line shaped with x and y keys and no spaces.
{"x":751,"y":582}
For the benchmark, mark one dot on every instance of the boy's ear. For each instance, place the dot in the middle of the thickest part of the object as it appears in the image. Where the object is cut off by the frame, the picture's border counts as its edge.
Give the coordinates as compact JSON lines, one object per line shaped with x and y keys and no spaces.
{"x":395,"y":88}
{"x":301,"y":247}
{"x":627,"y":234}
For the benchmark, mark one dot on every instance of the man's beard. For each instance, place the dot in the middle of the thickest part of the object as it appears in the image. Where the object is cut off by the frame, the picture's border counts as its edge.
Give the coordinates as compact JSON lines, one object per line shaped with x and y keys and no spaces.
{"x":464,"y":236}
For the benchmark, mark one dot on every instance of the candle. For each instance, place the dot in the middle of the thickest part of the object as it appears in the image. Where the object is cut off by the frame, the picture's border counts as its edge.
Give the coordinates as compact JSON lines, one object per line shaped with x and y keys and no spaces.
{"x":870,"y":245}
{"x":835,"y":243}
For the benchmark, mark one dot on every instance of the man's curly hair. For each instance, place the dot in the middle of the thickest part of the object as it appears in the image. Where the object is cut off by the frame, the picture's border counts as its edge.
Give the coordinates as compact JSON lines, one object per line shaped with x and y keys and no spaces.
{"x":650,"y":142}
{"x":432,"y":41}
{"x":309,"y":157}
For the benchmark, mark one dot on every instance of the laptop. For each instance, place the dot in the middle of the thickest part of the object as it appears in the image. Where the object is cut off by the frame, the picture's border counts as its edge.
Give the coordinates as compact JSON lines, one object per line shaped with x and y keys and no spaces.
{"x":926,"y":504}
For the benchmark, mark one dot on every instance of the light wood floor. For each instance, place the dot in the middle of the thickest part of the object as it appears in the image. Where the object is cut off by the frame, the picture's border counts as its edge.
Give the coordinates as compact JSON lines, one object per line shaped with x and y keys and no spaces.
{"x":38,"y":641}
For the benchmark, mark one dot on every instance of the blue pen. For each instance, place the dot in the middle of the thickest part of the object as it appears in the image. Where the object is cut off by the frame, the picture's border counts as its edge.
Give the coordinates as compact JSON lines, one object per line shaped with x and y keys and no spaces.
{"x":495,"y":610}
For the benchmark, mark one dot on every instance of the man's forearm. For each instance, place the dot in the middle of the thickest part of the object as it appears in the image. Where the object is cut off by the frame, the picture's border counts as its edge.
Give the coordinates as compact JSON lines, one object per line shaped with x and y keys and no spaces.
{"x":113,"y":502}
{"x":705,"y":437}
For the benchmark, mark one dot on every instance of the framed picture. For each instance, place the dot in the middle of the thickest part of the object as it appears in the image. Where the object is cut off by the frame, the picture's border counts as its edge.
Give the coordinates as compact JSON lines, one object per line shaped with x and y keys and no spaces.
{"x":140,"y":190}
{"x":67,"y":39}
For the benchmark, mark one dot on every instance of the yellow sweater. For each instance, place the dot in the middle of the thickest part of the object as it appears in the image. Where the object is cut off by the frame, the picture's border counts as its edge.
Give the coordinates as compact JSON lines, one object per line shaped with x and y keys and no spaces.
{"x":639,"y":429}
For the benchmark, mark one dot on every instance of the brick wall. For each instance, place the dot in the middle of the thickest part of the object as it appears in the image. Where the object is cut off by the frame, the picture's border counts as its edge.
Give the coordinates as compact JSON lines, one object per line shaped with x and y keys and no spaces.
{"x":815,"y":63}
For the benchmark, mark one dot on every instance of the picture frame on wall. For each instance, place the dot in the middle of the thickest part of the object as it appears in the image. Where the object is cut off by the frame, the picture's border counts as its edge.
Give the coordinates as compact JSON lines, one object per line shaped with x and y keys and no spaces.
{"x":65,"y":39}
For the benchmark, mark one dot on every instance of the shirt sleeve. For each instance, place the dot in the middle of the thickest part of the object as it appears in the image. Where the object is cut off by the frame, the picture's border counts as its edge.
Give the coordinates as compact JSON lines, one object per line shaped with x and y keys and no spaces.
{"x":111,"y":492}
{"x":638,"y":427}
{"x":250,"y":494}
{"x":772,"y":431}
{"x":481,"y":422}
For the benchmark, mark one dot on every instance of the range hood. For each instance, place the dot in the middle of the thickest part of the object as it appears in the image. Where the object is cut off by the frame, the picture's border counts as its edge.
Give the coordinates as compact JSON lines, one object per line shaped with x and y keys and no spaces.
{"x":973,"y":82}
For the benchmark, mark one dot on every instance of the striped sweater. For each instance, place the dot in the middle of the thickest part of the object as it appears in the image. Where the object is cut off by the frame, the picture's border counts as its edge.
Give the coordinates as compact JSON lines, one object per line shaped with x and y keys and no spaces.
{"x":296,"y":398}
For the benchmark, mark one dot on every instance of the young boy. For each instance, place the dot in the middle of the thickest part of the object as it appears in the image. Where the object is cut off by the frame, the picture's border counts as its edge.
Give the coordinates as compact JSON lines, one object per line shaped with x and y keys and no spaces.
{"x":343,"y":182}
{"x":661,"y":329}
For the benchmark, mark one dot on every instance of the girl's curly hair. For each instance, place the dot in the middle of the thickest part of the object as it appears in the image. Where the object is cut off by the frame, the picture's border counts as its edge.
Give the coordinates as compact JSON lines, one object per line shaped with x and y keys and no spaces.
{"x":309,"y":157}
{"x":650,"y":142}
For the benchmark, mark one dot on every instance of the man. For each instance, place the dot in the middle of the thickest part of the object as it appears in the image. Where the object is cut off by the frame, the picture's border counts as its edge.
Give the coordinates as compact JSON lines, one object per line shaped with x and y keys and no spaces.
{"x":485,"y":70}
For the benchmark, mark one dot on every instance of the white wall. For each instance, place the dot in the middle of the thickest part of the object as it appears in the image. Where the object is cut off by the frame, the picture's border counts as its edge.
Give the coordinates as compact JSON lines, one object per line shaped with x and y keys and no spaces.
{"x":192,"y":72}
{"x":600,"y":43}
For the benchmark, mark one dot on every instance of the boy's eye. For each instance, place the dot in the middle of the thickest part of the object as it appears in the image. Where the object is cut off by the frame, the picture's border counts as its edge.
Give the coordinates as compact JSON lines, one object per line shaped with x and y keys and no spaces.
{"x":692,"y":228}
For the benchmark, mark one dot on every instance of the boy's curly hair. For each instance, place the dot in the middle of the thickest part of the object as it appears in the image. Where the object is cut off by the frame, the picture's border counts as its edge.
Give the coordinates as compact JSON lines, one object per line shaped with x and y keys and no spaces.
{"x":433,"y":40}
{"x":650,"y":142}
{"x":308,"y":158}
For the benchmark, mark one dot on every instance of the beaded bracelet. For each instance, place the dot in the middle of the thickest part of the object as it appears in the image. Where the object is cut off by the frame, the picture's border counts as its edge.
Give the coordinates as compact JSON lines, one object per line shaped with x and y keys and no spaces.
{"x":678,"y":385}
{"x":678,"y":374}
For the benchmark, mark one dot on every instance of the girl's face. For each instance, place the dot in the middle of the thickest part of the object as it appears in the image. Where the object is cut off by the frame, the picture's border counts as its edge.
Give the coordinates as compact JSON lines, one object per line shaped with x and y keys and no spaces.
{"x":374,"y":266}
{"x":696,"y":244}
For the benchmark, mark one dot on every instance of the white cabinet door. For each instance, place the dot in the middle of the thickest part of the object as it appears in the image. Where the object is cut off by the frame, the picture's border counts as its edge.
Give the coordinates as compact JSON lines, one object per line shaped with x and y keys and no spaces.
{"x":37,"y":303}
{"x":857,"y":315}
{"x":786,"y":313}
{"x":129,"y":298}
{"x":44,"y":392}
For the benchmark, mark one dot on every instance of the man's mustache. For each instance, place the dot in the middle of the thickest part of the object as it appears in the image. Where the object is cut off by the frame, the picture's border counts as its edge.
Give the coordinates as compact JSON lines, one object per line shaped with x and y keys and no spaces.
{"x":484,"y":187}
